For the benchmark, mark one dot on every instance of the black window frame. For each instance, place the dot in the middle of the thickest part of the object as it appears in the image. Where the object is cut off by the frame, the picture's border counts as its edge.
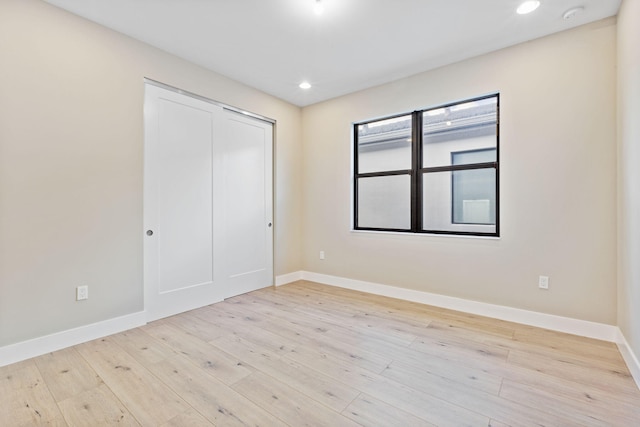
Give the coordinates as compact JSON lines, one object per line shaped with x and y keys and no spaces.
{"x":417,"y":172}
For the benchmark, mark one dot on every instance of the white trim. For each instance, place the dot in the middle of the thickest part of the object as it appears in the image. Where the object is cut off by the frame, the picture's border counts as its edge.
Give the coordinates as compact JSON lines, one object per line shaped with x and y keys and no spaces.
{"x":542,"y":320}
{"x":629,"y":357}
{"x":42,"y":345}
{"x":288,"y":278}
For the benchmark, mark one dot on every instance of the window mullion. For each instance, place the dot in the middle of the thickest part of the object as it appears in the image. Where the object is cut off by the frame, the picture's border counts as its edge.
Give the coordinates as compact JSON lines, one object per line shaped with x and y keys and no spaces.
{"x":416,"y":164}
{"x":356,"y":170}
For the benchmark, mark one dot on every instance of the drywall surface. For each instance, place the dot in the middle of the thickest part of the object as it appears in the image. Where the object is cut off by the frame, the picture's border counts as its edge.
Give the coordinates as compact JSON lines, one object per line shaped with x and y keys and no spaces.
{"x":629,"y":172}
{"x":71,"y":166}
{"x":557,"y":180}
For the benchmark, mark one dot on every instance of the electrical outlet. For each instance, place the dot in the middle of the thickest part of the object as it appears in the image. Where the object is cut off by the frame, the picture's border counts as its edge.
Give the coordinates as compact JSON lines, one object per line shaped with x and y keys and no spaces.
{"x":82,"y":293}
{"x":321,"y":254}
{"x":543,"y":282}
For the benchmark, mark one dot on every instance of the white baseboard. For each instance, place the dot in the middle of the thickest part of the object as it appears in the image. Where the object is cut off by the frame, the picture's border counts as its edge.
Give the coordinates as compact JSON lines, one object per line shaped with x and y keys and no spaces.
{"x":42,"y":345}
{"x":629,"y":357}
{"x":288,"y":278}
{"x":547,"y":321}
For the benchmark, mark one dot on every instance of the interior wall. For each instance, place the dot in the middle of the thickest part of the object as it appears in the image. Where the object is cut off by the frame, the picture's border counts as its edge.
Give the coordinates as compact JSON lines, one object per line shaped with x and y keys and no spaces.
{"x":629,"y":172}
{"x":71,"y":166}
{"x":557,"y":179}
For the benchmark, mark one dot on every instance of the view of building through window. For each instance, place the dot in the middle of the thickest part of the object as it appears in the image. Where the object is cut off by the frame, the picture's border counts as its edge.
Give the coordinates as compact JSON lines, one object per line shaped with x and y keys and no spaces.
{"x":432,"y":171}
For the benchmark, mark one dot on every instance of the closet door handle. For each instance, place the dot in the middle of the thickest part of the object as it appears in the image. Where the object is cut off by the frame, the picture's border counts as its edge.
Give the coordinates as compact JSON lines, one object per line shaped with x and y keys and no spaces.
{"x":269,"y":224}
{"x":149,"y":232}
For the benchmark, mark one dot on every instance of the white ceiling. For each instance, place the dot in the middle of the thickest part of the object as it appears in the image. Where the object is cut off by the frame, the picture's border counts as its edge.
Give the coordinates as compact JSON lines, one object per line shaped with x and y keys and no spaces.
{"x":273,"y":45}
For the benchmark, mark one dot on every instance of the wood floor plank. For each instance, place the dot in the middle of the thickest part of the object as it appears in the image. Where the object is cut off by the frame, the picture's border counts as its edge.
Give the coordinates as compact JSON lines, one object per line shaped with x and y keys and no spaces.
{"x":96,"y":407}
{"x":308,"y":335}
{"x":584,"y":412}
{"x":444,"y":329}
{"x":287,"y":403}
{"x":413,"y":310}
{"x":597,"y":393}
{"x":148,"y":399}
{"x":347,"y":352}
{"x":276,"y":343}
{"x":314,"y":384}
{"x":214,"y":400}
{"x":455,"y":350}
{"x":223,"y":366}
{"x":66,"y":373}
{"x":8,"y":369}
{"x":624,"y":404}
{"x":583,"y":353}
{"x":189,"y":418}
{"x":488,"y":404}
{"x":562,"y":366}
{"x":361,"y":317}
{"x":469,"y":377}
{"x":307,"y":381}
{"x":545,"y":335}
{"x":250,"y":355}
{"x":26,"y":400}
{"x":143,"y":347}
{"x":409,"y":399}
{"x":578,"y":348}
{"x":359,"y":325}
{"x":193,"y":325}
{"x":560,"y":341}
{"x":370,"y":412}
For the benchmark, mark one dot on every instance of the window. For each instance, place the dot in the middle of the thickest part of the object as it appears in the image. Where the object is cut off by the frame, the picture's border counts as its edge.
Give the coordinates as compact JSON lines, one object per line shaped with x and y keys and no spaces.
{"x":431,"y":171}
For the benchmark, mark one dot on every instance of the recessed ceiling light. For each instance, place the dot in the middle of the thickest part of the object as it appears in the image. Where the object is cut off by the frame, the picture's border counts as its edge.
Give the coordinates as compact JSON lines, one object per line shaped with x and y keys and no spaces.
{"x":527,"y":7}
{"x":305,"y":85}
{"x":318,"y":7}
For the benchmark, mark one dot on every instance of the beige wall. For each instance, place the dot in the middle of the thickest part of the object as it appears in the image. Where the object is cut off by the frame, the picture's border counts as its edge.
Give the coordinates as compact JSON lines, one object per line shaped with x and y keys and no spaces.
{"x":558,"y":181}
{"x":629,"y":172}
{"x":71,"y":138}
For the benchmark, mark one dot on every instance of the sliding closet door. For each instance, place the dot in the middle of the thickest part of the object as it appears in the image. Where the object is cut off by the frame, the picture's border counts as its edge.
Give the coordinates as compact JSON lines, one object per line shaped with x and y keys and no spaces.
{"x":246,"y":223}
{"x":179,"y":203}
{"x":207,"y":203}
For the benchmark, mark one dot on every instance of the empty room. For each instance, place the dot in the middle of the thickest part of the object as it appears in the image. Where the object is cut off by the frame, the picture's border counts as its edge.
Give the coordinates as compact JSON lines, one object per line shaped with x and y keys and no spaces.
{"x":320,"y":213}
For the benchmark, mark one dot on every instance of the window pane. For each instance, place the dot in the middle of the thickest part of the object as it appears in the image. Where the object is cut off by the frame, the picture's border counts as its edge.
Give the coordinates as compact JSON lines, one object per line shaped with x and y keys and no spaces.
{"x":384,"y":202}
{"x":463,"y":201}
{"x":385,"y":145}
{"x":474,"y":196}
{"x":469,"y":126}
{"x":473,"y":156}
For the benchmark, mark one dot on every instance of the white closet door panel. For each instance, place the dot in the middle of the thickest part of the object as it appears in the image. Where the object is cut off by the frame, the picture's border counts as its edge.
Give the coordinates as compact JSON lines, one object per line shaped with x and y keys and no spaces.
{"x":246,"y":216}
{"x":247,"y":209}
{"x":179,"y":203}
{"x":185,"y":199}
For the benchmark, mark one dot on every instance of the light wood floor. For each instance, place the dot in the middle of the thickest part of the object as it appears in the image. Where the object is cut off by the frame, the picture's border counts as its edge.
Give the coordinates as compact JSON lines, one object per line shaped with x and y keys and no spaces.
{"x":311,"y":355}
